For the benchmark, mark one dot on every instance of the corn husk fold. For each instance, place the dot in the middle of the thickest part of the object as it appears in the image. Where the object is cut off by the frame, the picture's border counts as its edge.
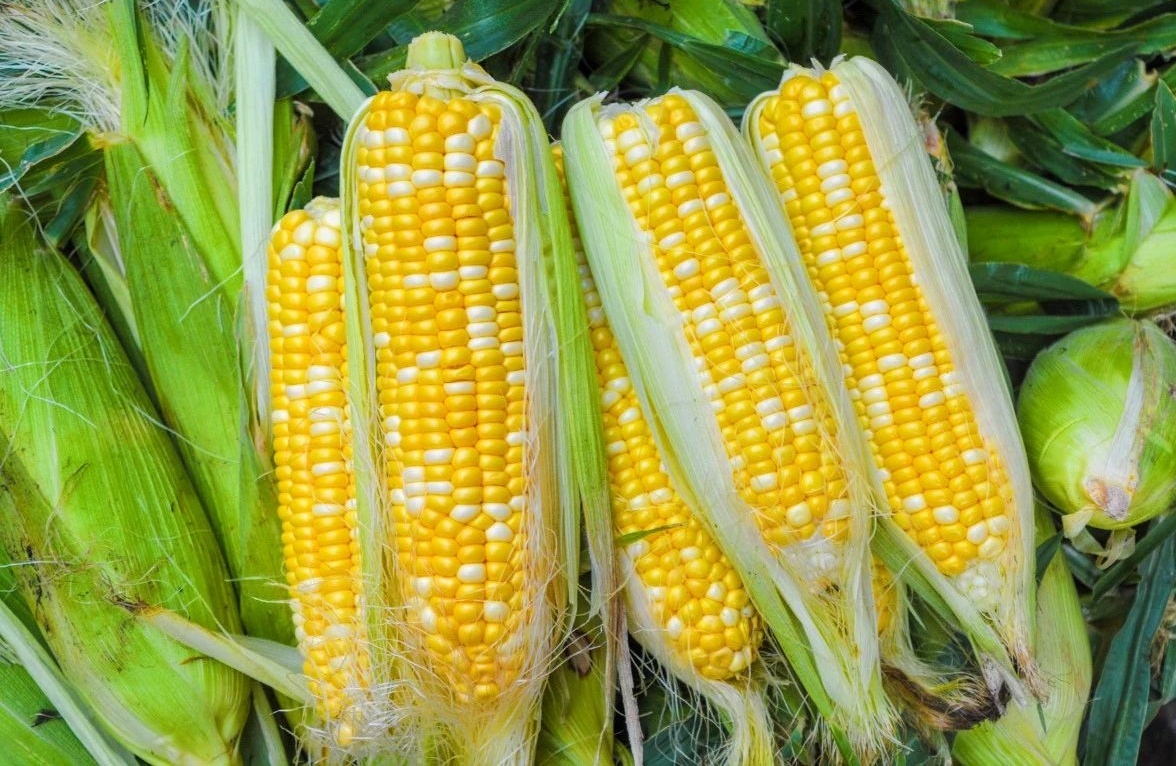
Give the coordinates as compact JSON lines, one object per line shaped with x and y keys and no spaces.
{"x":102,"y":519}
{"x":1099,"y":421}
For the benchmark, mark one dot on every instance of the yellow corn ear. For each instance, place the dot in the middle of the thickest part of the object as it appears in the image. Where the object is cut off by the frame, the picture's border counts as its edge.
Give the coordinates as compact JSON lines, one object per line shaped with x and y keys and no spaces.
{"x":312,"y":459}
{"x":459,"y":250}
{"x":926,"y":380}
{"x":687,"y":605}
{"x":722,"y":342}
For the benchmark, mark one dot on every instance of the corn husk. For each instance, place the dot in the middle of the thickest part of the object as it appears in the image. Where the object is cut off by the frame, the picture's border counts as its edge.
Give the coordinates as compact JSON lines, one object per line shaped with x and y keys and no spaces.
{"x":1046,"y":731}
{"x":151,"y":85}
{"x":1125,"y":250}
{"x":1000,"y":630}
{"x":101,"y":518}
{"x":829,"y":637}
{"x":1099,"y":422}
{"x":42,"y":723}
{"x":561,"y":424}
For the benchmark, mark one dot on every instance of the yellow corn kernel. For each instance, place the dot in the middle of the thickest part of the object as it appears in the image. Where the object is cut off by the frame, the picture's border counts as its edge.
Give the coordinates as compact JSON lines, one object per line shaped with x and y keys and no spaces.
{"x":312,"y":457}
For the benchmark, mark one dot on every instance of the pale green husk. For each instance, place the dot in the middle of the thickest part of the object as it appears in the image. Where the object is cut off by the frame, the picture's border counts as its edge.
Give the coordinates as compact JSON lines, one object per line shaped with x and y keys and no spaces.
{"x":102,"y":518}
{"x":1042,"y":732}
{"x":42,"y":722}
{"x":151,"y":83}
{"x":1099,"y":421}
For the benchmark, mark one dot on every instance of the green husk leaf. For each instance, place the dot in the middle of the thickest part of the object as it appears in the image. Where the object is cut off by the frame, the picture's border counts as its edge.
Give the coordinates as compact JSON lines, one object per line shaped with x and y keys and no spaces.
{"x":1047,"y":46}
{"x":1118,"y":574}
{"x":41,"y":720}
{"x":613,"y":70}
{"x":555,"y":89}
{"x":948,"y":73}
{"x":1019,"y":282}
{"x":484,"y":28}
{"x":188,"y":331}
{"x":1020,"y":187}
{"x":261,"y":743}
{"x":184,"y":144}
{"x":1163,"y":130}
{"x":1076,"y":140}
{"x":963,"y":37}
{"x":29,"y":137}
{"x":736,"y":74}
{"x":307,"y":56}
{"x":805,"y":30}
{"x":1118,"y":708}
{"x":1117,"y":100}
{"x":278,"y":666}
{"x":1044,"y":325}
{"x":344,"y":27}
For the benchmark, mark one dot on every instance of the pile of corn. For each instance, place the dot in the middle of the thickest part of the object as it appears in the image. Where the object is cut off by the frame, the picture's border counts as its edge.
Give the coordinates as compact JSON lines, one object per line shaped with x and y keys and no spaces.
{"x":519,"y":433}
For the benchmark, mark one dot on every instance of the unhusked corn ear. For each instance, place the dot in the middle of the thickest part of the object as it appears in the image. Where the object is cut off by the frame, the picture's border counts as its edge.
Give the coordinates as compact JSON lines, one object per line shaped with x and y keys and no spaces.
{"x":101,"y":520}
{"x":722,"y":350}
{"x":313,"y":461}
{"x":921,"y":367}
{"x":679,"y":578}
{"x":461,"y":228}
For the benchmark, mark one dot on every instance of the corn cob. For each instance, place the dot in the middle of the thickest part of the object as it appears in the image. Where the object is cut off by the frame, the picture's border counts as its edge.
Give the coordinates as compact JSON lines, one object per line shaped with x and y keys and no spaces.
{"x":921,"y":368}
{"x":461,"y":231}
{"x":687,"y":604}
{"x":312,"y":458}
{"x":703,"y":609}
{"x":79,"y":435}
{"x":689,"y":255}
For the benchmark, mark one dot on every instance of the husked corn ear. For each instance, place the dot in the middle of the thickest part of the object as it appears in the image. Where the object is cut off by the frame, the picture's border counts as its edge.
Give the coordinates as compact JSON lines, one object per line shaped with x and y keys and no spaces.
{"x":686,"y":246}
{"x":462,"y":234}
{"x":679,"y":575}
{"x":449,"y":350}
{"x":312,"y":458}
{"x":920,"y":365}
{"x":771,"y":419}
